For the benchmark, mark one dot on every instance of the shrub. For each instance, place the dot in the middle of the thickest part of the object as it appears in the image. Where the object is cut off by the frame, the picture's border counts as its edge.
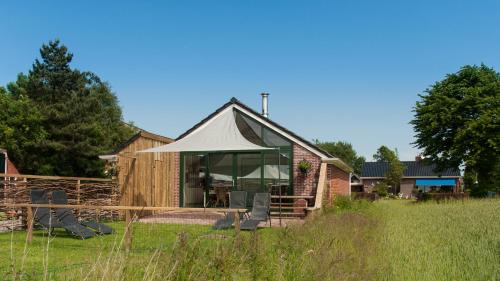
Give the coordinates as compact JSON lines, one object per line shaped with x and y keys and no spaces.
{"x":345,"y":203}
{"x":342,"y":202}
{"x":381,"y":189}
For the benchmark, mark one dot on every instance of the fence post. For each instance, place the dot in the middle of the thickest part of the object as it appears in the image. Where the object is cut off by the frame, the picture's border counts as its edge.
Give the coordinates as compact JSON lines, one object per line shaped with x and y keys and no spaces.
{"x":78,"y":183}
{"x":29,"y":222}
{"x":128,"y":230}
{"x":237,"y":223}
{"x":98,"y":214}
{"x":237,"y":228}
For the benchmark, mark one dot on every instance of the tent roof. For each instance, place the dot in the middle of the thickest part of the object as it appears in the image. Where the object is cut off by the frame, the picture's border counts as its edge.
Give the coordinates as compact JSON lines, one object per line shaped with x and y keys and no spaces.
{"x":218,"y":134}
{"x":235,"y":103}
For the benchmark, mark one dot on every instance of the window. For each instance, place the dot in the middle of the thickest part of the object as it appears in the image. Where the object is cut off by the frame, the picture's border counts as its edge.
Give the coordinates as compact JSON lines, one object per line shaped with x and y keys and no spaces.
{"x":257,"y":133}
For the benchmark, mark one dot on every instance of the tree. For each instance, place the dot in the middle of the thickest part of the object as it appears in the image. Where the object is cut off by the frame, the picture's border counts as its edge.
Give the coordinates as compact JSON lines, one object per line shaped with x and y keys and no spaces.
{"x":21,"y":130}
{"x":396,"y":169}
{"x":457,"y":123}
{"x":80,"y":114}
{"x":344,"y":151}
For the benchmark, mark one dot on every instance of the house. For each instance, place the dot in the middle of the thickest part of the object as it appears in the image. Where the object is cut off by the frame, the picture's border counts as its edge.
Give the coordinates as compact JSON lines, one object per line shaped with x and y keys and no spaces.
{"x":6,"y":166}
{"x":356,"y":183}
{"x":144,"y":179}
{"x":238,"y":148}
{"x":418,"y":176}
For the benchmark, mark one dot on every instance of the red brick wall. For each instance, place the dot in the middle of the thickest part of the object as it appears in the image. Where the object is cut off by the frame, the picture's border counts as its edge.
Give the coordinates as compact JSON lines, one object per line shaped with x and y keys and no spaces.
{"x":305,"y":184}
{"x":11,"y":169}
{"x":368,"y":184}
{"x":338,"y":181}
{"x":177,"y":179}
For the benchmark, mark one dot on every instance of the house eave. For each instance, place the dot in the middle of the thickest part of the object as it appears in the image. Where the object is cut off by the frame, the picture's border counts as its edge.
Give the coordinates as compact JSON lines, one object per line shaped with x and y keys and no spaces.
{"x":338,"y":163}
{"x":109,"y":157}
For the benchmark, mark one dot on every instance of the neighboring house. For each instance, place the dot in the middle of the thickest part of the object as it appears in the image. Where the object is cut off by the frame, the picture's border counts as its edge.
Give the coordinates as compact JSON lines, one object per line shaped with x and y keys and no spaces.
{"x":418,"y":176}
{"x":356,"y":183}
{"x":6,"y":166}
{"x":195,"y":174}
{"x":144,"y":179}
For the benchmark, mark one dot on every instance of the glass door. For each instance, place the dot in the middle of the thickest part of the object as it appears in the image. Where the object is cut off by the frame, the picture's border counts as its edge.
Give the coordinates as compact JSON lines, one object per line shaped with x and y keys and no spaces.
{"x":221,"y":179}
{"x":195,"y":179}
{"x":277,"y":172}
{"x":249,"y":174}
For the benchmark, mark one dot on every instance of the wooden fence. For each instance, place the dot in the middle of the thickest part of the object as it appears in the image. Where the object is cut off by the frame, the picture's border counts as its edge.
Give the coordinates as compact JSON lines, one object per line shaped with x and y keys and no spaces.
{"x":15,"y":189}
{"x":147,"y":179}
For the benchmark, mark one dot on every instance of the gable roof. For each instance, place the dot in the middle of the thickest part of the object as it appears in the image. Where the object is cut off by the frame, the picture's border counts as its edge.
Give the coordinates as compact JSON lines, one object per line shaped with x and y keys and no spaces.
{"x":413,"y":169}
{"x":140,"y":133}
{"x":263,"y":120}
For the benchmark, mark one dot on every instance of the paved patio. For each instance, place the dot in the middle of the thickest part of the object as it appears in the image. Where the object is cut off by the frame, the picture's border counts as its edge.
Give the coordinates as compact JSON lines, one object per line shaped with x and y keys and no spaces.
{"x":206,"y":218}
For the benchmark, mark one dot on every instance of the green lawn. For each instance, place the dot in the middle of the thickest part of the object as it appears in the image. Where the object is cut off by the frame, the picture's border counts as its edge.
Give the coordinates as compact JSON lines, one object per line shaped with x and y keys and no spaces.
{"x":386,"y":240}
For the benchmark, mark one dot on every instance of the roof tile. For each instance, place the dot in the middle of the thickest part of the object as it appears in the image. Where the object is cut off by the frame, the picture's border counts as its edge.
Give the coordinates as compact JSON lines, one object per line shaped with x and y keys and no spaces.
{"x":413,"y":169}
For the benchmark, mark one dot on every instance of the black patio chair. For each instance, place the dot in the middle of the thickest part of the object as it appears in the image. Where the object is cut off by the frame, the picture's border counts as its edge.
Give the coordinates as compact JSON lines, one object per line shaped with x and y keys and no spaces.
{"x":66,"y":215}
{"x":44,"y":217}
{"x":260,"y":211}
{"x":237,"y":200}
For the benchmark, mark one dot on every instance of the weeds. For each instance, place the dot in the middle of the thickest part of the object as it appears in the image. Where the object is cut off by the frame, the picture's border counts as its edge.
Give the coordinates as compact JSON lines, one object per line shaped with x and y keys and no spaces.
{"x":353,"y":240}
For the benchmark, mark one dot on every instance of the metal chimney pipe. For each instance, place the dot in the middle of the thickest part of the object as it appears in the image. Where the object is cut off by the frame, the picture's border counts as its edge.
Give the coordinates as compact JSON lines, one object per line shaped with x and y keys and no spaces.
{"x":265,"y":107}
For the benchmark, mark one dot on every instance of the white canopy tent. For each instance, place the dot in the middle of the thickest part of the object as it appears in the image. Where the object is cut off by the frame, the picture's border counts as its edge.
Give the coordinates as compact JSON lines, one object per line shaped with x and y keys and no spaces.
{"x":270,"y":172}
{"x":218,"y":134}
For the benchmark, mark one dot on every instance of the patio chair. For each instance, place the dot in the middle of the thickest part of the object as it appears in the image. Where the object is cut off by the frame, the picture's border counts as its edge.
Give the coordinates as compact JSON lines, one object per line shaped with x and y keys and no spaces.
{"x":237,"y":200}
{"x":260,"y":211}
{"x":44,"y":217}
{"x":66,"y":215}
{"x":220,"y":195}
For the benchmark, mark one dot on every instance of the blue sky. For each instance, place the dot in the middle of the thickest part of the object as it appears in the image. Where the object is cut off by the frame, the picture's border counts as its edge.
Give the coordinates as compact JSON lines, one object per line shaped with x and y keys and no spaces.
{"x":336,"y":70}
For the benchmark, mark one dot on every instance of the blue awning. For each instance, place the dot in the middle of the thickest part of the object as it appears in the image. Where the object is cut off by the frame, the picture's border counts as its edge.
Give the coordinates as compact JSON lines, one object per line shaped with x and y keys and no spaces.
{"x":435,"y":182}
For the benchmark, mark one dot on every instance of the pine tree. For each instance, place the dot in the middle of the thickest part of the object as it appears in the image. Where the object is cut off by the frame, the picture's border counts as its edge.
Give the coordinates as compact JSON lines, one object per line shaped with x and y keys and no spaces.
{"x":80,"y":114}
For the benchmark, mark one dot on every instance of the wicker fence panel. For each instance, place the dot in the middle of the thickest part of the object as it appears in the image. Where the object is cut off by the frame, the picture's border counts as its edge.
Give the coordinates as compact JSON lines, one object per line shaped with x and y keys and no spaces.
{"x":80,"y":191}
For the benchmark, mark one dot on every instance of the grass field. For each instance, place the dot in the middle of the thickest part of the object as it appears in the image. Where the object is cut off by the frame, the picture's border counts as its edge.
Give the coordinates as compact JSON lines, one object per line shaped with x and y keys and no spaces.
{"x":386,"y":240}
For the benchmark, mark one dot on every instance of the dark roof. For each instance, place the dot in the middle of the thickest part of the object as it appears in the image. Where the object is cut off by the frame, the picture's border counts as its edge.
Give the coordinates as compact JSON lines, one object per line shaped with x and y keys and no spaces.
{"x":413,"y":169}
{"x":140,"y":133}
{"x":239,"y":103}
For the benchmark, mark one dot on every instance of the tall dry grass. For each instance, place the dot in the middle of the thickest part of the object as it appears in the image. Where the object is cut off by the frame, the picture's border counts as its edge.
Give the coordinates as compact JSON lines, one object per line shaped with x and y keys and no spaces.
{"x":386,"y":240}
{"x":454,"y":240}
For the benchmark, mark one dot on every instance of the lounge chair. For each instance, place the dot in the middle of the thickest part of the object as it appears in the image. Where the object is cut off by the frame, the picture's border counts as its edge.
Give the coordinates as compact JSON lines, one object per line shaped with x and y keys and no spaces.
{"x":237,"y":200}
{"x":260,"y":211}
{"x":44,"y":217}
{"x":66,"y":215}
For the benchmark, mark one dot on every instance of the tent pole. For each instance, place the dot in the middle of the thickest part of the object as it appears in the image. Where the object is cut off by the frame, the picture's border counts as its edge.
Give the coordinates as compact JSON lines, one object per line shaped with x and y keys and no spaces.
{"x":279,"y":179}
